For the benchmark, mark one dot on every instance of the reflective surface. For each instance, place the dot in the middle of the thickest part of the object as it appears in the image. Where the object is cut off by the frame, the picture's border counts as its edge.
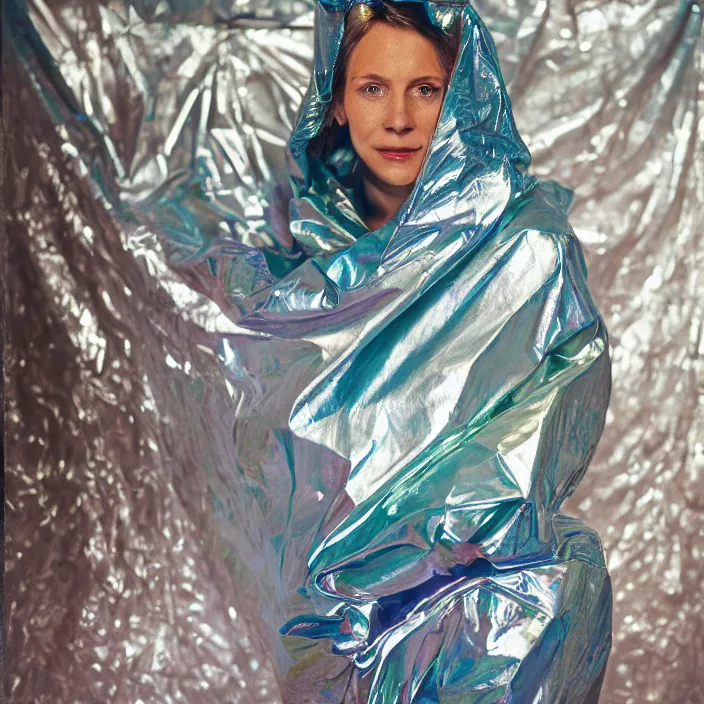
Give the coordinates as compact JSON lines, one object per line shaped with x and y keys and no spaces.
{"x":121,"y":453}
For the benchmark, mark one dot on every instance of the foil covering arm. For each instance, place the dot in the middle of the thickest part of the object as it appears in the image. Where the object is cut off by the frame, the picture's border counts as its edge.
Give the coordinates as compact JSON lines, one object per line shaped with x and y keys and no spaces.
{"x":480,"y":501}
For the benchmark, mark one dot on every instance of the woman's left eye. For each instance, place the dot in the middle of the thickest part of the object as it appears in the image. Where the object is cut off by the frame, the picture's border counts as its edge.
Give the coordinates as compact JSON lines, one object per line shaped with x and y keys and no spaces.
{"x":427,"y":91}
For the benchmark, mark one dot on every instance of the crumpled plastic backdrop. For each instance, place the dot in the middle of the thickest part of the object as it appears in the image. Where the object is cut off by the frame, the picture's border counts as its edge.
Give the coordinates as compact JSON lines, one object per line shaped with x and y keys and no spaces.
{"x":116,"y":588}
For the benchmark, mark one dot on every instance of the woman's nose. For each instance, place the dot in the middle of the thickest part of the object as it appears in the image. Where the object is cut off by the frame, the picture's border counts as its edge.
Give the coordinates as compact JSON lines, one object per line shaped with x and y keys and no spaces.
{"x":399,"y":117}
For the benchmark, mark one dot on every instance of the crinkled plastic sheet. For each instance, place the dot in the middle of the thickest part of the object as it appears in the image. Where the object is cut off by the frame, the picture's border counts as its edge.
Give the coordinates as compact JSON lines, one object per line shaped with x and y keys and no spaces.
{"x":116,"y":589}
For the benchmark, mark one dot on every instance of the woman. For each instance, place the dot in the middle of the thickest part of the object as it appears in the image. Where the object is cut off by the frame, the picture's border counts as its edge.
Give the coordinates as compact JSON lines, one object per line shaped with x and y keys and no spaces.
{"x":420,"y":382}
{"x":393,"y":69}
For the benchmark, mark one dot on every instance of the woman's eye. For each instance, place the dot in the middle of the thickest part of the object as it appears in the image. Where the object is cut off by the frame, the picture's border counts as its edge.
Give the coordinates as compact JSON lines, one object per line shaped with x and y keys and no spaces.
{"x":372,"y":90}
{"x":427,"y":91}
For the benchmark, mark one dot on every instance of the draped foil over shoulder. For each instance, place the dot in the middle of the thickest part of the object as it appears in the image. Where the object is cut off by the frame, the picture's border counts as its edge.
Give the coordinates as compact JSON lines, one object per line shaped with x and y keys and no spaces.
{"x":413,"y":406}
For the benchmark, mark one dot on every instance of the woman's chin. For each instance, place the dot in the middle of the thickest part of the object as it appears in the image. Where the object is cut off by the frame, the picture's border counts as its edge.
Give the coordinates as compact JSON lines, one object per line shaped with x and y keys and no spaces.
{"x":397,"y":176}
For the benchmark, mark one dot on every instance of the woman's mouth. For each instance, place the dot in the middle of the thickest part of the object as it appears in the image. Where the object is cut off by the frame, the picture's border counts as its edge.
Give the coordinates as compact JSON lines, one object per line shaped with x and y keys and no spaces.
{"x":397,"y":154}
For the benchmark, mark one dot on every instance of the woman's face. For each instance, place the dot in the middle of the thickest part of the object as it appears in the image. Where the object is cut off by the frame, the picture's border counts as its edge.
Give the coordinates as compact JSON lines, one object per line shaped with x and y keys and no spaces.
{"x":393,"y":93}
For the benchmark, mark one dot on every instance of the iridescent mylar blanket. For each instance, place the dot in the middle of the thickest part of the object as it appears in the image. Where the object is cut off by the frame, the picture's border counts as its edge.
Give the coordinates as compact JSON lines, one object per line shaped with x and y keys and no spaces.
{"x":434,"y":390}
{"x":413,"y":406}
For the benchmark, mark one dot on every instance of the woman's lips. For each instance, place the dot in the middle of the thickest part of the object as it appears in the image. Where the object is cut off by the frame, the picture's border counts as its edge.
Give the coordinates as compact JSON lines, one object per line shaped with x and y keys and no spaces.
{"x":398,"y":154}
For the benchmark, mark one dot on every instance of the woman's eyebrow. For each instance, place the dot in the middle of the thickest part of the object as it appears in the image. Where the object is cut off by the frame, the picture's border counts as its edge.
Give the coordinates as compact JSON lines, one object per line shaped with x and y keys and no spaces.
{"x":432,"y":77}
{"x":371,"y":77}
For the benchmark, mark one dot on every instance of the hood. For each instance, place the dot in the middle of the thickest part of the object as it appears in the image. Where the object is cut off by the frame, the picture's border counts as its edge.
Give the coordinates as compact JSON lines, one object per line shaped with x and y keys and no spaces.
{"x":474,"y":166}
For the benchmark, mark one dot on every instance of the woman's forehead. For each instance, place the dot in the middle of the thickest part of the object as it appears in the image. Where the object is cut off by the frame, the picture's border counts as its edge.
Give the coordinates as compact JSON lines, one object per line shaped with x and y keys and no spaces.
{"x":394,"y":54}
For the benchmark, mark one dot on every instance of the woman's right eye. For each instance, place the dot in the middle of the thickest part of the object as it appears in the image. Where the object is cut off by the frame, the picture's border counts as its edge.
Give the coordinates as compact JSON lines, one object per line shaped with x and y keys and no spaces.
{"x":372,"y":89}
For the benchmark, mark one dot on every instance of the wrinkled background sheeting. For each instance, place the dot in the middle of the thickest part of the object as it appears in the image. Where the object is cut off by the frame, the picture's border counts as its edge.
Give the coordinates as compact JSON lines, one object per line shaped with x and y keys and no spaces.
{"x":117,"y":588}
